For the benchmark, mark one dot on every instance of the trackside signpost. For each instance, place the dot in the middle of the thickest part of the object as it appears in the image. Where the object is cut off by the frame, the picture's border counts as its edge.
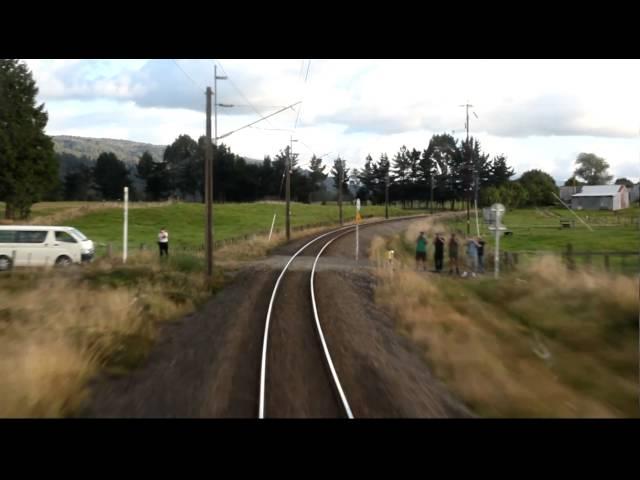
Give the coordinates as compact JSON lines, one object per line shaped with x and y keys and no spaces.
{"x":497,"y":209}
{"x":125,"y":233}
{"x":358,"y":218}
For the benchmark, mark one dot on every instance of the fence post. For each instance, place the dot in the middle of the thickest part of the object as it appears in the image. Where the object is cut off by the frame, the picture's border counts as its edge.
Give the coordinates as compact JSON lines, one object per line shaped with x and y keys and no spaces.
{"x":569,"y":257}
{"x":606,"y":262}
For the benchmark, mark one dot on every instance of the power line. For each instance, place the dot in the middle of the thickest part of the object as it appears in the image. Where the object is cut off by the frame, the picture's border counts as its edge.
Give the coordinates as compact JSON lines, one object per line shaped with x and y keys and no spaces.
{"x":274,"y":129}
{"x":305,"y":82}
{"x":240,"y":92}
{"x":308,"y":147}
{"x":187,"y":75}
{"x":307,"y":74}
{"x":261,"y":106}
{"x":261,"y":119}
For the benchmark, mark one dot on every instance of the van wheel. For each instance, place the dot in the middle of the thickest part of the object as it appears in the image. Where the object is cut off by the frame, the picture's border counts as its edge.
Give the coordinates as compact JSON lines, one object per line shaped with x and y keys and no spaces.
{"x":5,"y":263}
{"x":63,"y":261}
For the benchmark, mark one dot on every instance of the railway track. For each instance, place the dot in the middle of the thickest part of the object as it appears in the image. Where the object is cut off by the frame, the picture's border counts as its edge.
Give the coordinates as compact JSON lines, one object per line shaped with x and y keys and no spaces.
{"x":298,"y":378}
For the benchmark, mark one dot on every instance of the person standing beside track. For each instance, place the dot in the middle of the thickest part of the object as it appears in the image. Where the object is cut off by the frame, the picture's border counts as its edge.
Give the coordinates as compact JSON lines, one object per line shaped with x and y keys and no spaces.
{"x":163,"y":242}
{"x":453,"y":254}
{"x":421,"y":251}
{"x":438,"y":252}
{"x":481,"y":244}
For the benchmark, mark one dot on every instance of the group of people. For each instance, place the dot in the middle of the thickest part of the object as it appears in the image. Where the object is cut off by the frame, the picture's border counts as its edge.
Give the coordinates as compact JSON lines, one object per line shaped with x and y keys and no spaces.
{"x":474,"y":250}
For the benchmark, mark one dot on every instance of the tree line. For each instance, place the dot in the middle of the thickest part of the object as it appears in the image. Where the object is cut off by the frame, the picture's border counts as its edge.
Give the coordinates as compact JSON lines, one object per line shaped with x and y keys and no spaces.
{"x":179,"y":174}
{"x":447,"y":170}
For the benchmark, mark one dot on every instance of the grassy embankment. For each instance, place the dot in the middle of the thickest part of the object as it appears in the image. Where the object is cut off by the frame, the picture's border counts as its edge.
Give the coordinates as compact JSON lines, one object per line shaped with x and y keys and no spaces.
{"x":540,"y":342}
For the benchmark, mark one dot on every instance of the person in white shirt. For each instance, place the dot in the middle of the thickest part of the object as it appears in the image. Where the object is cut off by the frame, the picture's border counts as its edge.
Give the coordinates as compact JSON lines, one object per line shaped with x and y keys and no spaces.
{"x":163,"y":242}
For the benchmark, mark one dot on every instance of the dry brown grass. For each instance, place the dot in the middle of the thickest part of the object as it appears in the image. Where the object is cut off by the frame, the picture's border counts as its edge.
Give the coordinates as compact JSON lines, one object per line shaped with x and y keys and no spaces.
{"x":58,"y":329}
{"x":56,"y":335}
{"x":544,"y":342}
{"x":42,"y":378}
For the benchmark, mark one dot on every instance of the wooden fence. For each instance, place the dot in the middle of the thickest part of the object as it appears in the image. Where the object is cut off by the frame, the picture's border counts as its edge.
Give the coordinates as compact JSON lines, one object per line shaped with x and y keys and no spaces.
{"x":622,"y":261}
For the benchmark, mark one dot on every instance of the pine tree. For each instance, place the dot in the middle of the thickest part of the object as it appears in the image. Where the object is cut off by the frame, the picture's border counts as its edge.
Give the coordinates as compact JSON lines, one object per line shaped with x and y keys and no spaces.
{"x":317,"y":173}
{"x":381,"y":171}
{"x":185,"y":165}
{"x":111,"y":176}
{"x":401,"y":174}
{"x":28,"y":165}
{"x":340,"y":167}
{"x":155,"y":176}
{"x":366,"y":175}
{"x":500,"y":172}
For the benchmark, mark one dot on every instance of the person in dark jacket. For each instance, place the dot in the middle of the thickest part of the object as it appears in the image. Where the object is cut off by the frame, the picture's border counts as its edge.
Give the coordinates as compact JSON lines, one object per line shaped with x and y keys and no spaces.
{"x":481,"y":243}
{"x":453,"y":254}
{"x":438,"y":256}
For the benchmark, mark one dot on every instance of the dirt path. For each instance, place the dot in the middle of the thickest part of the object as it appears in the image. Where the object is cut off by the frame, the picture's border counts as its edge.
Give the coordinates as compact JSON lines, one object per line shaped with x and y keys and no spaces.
{"x":208,"y":365}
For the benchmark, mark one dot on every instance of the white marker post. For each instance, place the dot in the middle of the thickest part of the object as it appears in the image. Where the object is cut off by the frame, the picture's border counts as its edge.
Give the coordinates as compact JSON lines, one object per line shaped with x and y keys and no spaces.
{"x":496,"y":259}
{"x":497,"y":209}
{"x":126,"y":225}
{"x":357,"y":227}
{"x":273,"y":222}
{"x":477,"y":221}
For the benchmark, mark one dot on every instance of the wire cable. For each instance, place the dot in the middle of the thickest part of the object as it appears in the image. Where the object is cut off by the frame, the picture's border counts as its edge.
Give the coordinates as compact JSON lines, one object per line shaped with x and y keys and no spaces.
{"x":187,"y":75}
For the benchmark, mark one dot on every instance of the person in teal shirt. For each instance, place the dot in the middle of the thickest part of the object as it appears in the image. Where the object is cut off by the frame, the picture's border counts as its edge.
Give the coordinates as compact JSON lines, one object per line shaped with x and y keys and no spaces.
{"x":421,"y":251}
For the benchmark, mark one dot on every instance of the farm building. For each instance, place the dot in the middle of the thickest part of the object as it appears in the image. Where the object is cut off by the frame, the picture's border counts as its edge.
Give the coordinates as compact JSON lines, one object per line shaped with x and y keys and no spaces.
{"x":634,"y":193}
{"x":601,"y":197}
{"x":567,"y":192}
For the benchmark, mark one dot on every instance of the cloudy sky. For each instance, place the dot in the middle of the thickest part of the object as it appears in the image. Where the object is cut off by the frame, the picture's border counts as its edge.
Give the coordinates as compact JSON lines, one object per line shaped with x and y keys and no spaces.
{"x":539,"y":113}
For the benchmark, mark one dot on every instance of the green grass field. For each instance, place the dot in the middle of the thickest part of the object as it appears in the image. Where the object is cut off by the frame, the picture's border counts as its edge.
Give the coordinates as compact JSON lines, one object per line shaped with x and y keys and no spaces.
{"x":539,"y":230}
{"x":185,"y":221}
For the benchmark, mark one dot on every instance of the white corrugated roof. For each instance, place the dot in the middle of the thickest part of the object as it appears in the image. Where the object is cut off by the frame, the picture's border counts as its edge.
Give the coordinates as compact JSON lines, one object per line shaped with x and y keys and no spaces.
{"x":598,"y":191}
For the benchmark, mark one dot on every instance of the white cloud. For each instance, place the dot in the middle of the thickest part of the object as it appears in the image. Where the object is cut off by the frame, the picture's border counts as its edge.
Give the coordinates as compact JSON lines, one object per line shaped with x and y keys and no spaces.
{"x":540,"y":113}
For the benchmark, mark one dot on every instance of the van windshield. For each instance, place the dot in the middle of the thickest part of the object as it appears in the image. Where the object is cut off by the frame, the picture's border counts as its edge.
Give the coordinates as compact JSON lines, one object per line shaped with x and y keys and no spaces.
{"x":78,"y":234}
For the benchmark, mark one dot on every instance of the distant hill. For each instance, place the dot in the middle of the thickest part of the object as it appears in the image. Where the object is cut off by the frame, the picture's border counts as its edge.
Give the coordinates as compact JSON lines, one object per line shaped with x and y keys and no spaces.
{"x":125,"y":150}
{"x":91,"y":148}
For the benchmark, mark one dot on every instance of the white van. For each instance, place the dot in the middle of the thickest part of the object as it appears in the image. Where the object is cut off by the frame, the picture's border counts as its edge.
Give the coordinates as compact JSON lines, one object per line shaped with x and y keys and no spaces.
{"x":40,"y":246}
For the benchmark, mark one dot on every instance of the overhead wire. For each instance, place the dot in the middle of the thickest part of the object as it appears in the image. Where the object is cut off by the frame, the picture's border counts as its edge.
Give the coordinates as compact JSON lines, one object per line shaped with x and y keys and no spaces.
{"x":240,"y":92}
{"x":187,"y":75}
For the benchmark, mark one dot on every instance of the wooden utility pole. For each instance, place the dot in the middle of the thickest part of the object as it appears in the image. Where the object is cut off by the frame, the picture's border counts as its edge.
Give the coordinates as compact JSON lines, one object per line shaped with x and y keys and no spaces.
{"x":340,"y":181}
{"x":469,"y":164}
{"x":288,"y":190}
{"x":209,"y":150}
{"x":431,"y":199}
{"x":386,"y":194}
{"x":208,"y":185}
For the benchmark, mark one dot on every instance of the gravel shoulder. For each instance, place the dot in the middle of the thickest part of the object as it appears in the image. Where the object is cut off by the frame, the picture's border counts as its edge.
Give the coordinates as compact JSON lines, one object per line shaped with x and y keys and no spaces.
{"x":207,"y":365}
